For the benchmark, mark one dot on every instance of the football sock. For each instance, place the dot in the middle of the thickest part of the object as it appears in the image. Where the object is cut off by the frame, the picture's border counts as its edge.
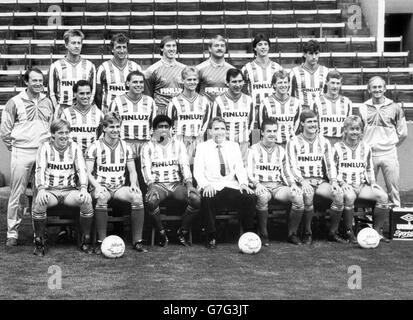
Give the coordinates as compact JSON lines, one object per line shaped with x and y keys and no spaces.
{"x":39,"y":227}
{"x":101,"y":220}
{"x":156,"y":215}
{"x":137,"y":220}
{"x":262,"y":218}
{"x":348,"y":215}
{"x":379,"y":217}
{"x":294,"y":220}
{"x":85,"y":225}
{"x":335,"y":217}
{"x":308,"y":217}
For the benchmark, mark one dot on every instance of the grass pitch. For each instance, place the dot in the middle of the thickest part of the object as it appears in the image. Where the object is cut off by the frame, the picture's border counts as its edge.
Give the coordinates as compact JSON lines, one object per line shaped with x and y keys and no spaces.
{"x":282,"y":271}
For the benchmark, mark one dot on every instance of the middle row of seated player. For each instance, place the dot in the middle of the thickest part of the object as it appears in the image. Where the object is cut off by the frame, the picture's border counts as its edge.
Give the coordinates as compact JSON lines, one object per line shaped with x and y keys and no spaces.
{"x":293,"y":176}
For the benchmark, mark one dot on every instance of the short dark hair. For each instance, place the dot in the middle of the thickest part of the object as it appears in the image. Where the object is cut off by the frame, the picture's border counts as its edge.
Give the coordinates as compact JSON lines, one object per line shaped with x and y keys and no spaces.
{"x":311,"y":46}
{"x":268,"y":122}
{"x":258,"y":38}
{"x":81,"y":83}
{"x":307,"y":114}
{"x":119,"y":38}
{"x":131,"y":74}
{"x":216,"y":119}
{"x":161,"y":118}
{"x":165,"y":40}
{"x":232,"y":73}
{"x":27,"y":73}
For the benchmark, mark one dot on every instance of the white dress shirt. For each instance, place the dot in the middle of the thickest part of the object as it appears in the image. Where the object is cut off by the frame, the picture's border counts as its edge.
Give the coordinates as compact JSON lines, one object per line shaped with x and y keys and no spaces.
{"x":207,"y":166}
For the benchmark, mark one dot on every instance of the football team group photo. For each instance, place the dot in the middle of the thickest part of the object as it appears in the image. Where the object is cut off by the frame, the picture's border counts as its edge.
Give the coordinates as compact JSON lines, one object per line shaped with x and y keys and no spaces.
{"x":219,"y":155}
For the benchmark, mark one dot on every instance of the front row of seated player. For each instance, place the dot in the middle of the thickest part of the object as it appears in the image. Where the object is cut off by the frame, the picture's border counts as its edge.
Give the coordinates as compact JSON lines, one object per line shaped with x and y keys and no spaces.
{"x":292,"y":175}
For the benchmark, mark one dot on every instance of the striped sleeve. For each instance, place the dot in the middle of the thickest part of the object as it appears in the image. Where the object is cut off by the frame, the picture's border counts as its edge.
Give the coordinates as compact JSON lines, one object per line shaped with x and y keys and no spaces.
{"x":114,"y":106}
{"x":41,"y":163}
{"x":329,"y":162}
{"x":262,"y":114}
{"x":251,"y":117}
{"x":293,"y":84}
{"x":184,"y":163}
{"x":146,"y":163}
{"x":207,"y":116}
{"x":80,"y":165}
{"x":101,"y":76}
{"x":129,"y":153}
{"x":91,"y":153}
{"x":336,"y":158}
{"x":247,"y":86}
{"x":250,"y":167}
{"x":292,"y":160}
{"x":315,"y":108}
{"x":216,"y":110}
{"x":285,"y":168}
{"x":53,"y":82}
{"x":101,"y":87}
{"x":92,"y":81}
{"x":297,"y":119}
{"x":350,"y":108}
{"x":153,"y":113}
{"x":172,"y":113}
{"x":371,"y":179}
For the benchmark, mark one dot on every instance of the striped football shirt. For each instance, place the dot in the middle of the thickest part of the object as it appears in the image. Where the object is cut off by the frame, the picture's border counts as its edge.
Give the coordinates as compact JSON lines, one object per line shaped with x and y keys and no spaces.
{"x":307,"y":84}
{"x":164,"y":82}
{"x":307,"y":159}
{"x":264,"y":165}
{"x":165,"y":164}
{"x":331,"y":114}
{"x":110,"y":162}
{"x":354,"y":165}
{"x":284,"y":112}
{"x":112,"y":78}
{"x":136,"y":116}
{"x":212,"y":78}
{"x":239,"y":116}
{"x":63,"y":74}
{"x":83,"y":123}
{"x":258,"y":78}
{"x":189,"y":116}
{"x":58,"y":169}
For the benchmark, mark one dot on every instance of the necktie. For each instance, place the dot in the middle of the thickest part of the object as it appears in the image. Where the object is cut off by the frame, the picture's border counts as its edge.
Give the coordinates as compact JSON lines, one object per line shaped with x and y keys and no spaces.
{"x":221,"y":161}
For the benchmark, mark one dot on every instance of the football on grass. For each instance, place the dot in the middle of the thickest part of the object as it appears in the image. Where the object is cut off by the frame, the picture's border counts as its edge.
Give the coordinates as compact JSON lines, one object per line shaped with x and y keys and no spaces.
{"x":113,"y":247}
{"x":249,"y":243}
{"x":368,"y":238}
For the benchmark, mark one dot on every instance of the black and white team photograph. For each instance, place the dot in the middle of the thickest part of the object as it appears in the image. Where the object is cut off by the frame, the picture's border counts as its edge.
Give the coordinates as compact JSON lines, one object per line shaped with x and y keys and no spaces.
{"x":206,"y":154}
